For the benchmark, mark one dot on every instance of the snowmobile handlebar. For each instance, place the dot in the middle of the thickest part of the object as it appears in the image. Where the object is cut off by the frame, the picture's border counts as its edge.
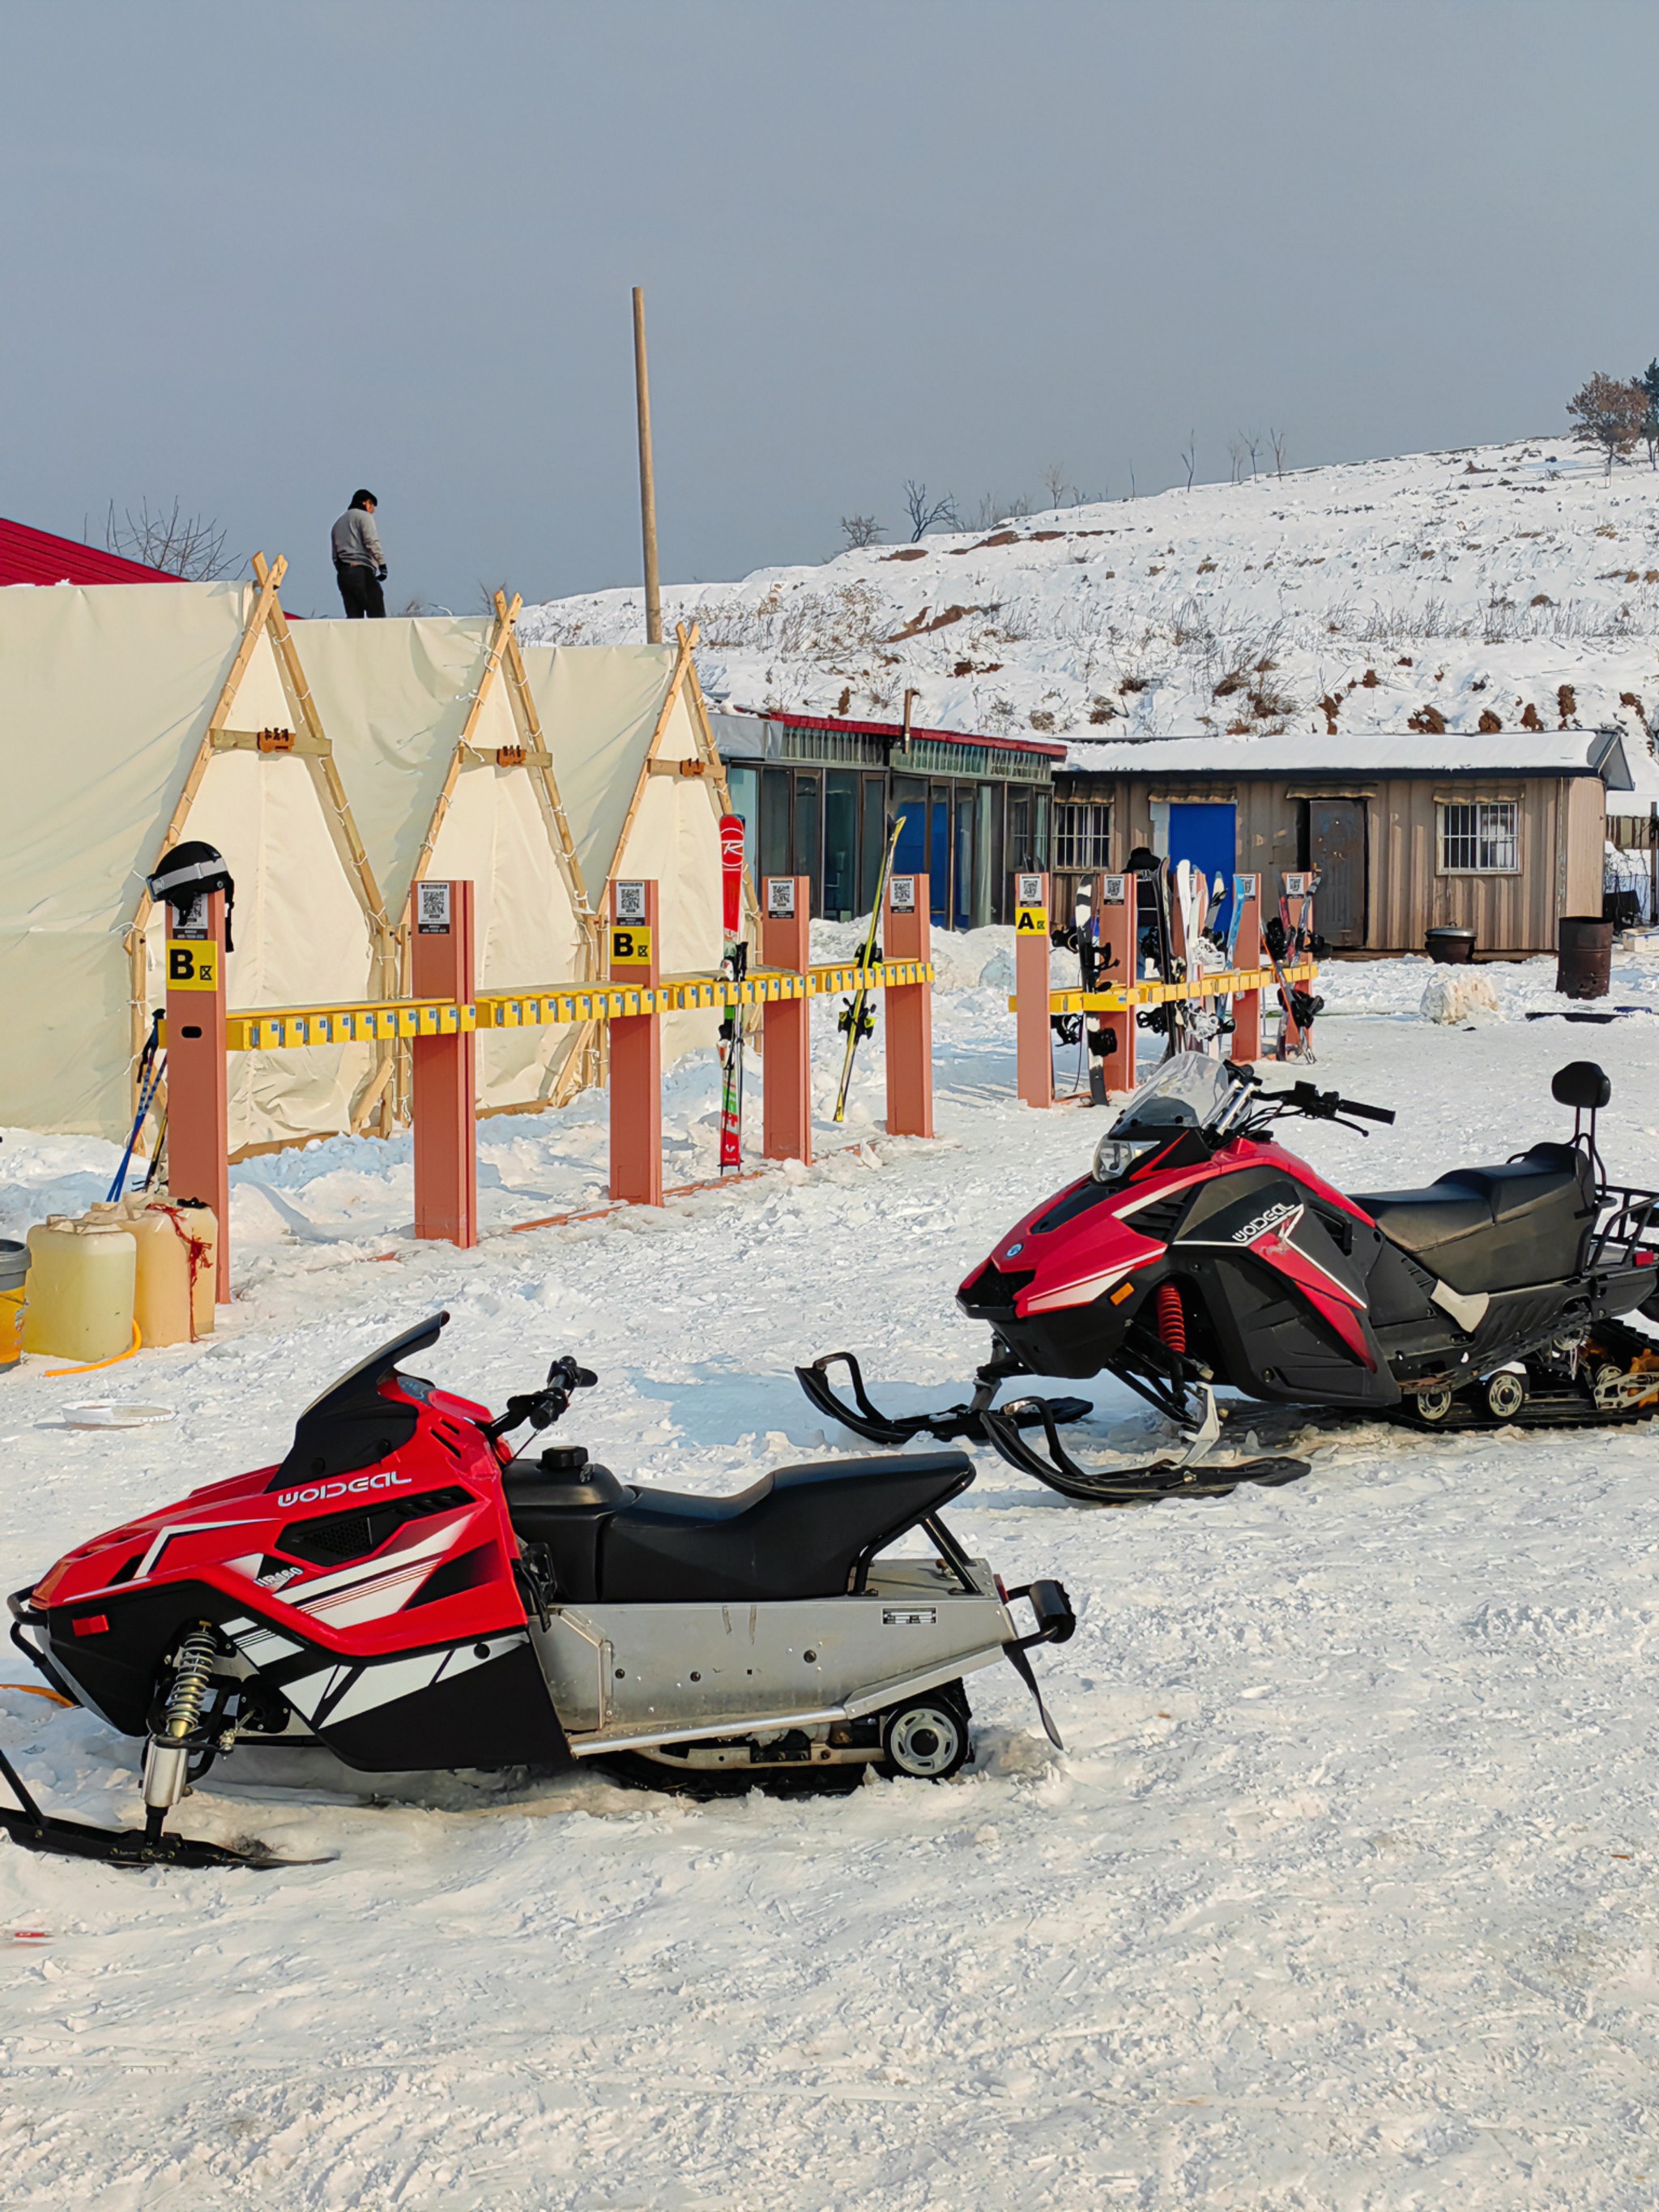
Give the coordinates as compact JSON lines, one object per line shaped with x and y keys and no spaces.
{"x":541,"y":1409}
{"x":1324,"y":1105}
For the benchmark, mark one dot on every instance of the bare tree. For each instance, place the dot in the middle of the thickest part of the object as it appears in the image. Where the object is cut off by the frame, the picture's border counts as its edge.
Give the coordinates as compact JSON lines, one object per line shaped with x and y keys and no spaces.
{"x":1189,"y":456}
{"x":188,"y":545}
{"x":1608,"y":414}
{"x":1237,"y":449}
{"x":860,"y":530}
{"x":1252,"y":445}
{"x":1055,"y":484}
{"x":1276,"y":439}
{"x":927,"y":513}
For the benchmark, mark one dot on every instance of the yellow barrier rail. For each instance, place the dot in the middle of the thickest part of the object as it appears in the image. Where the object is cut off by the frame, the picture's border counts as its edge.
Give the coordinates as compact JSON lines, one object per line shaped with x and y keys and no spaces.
{"x":1225,"y":984}
{"x":373,"y":1021}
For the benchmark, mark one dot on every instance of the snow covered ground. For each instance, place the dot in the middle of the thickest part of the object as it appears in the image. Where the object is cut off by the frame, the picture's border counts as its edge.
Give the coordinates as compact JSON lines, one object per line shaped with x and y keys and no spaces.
{"x":1341,"y":1894}
{"x":1503,"y":586}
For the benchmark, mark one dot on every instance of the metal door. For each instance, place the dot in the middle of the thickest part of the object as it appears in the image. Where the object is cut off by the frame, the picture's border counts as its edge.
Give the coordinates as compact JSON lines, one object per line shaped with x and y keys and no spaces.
{"x":1205,"y":832}
{"x":1336,"y":847}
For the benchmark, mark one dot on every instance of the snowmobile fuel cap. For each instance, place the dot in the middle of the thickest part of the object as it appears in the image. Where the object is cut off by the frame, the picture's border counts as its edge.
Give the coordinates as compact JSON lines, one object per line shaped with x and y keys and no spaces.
{"x":189,"y":873}
{"x":564,"y":1459}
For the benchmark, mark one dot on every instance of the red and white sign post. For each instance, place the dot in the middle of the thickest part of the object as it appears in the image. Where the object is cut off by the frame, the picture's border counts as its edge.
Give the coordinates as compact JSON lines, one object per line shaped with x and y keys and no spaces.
{"x":1034,"y":1053}
{"x":199,"y":1117}
{"x":785,"y":1024}
{"x":1117,"y":918}
{"x":906,"y":934}
{"x":636,"y":1051}
{"x":446,"y":1069}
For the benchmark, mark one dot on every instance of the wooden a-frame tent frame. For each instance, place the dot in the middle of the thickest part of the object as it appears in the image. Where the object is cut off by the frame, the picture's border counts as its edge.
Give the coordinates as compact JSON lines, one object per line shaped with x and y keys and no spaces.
{"x":385,"y":1101}
{"x":305,"y":737}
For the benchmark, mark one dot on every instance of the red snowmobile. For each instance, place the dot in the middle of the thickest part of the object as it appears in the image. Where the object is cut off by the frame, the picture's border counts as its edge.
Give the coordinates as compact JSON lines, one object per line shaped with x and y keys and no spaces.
{"x":1199,"y":1252}
{"x":404,"y":1592}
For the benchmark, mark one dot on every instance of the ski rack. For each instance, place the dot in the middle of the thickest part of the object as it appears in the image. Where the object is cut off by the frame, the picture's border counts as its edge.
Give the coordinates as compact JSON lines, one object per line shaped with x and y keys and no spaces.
{"x":1034,"y":1003}
{"x":444,"y":1012}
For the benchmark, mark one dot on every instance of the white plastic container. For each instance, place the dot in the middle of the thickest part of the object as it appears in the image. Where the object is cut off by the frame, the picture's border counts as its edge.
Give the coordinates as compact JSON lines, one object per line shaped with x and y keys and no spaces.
{"x":82,"y":1278}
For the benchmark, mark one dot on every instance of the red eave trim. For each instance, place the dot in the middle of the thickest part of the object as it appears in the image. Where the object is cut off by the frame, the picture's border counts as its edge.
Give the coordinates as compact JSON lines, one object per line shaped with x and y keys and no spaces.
{"x":36,"y":557}
{"x":895,"y":729}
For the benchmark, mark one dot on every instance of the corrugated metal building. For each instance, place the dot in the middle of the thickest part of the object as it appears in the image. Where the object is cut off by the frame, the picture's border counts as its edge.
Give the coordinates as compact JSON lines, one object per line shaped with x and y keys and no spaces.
{"x":35,"y":556}
{"x":1501,"y":834}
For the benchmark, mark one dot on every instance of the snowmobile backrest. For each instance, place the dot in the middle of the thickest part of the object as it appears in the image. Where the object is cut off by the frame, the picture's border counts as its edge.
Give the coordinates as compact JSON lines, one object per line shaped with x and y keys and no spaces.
{"x":1583,"y":1085}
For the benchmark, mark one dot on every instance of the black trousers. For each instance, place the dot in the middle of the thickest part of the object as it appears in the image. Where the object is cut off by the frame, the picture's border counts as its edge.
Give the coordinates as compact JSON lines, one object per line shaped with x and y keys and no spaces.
{"x":360,"y":588}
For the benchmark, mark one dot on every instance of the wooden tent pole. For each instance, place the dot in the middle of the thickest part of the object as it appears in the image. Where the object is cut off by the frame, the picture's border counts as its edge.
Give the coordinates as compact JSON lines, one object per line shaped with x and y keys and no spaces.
{"x":258,"y":615}
{"x":583,"y":1061}
{"x":647,"y":480}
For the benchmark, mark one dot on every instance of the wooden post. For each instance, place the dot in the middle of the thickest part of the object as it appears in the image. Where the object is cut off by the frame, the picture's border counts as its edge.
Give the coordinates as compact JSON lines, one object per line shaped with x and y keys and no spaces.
{"x":198,"y":1120}
{"x":906,"y":934}
{"x":636,"y":1051}
{"x":1117,"y":966}
{"x":445,"y":1068}
{"x":1247,"y":953}
{"x":647,"y":483}
{"x":785,"y":1024}
{"x":1034,"y":1051}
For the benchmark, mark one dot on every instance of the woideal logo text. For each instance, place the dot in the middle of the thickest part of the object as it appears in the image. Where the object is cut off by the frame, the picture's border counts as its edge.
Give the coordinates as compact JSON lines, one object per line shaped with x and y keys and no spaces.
{"x":316,"y":1491}
{"x":1270,"y":1218}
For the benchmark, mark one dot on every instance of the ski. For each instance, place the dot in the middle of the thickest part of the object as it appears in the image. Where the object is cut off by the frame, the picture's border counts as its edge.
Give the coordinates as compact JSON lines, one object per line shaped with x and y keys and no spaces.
{"x":734,"y":967}
{"x":1154,"y":939}
{"x":1284,"y":940}
{"x":855,"y":1020}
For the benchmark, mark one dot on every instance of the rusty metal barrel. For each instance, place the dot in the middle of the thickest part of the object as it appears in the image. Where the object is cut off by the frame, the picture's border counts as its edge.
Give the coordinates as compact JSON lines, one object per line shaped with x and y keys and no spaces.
{"x":1584,"y":957}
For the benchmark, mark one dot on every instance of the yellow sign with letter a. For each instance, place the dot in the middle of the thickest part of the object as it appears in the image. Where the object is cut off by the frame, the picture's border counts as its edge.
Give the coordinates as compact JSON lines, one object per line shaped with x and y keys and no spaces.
{"x":192,"y":964}
{"x":1031,"y":921}
{"x":630,"y":943}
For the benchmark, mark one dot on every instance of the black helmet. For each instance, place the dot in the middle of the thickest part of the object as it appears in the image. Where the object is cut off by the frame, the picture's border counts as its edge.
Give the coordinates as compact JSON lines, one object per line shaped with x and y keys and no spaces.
{"x":189,"y":872}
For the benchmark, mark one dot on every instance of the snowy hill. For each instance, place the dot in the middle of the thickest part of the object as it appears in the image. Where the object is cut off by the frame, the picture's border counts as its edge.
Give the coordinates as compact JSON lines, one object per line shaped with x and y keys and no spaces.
{"x":1497,"y":585}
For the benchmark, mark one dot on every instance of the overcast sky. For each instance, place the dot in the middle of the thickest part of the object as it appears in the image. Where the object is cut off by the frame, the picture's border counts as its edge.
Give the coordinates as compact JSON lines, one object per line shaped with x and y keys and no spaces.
{"x":253,"y":257}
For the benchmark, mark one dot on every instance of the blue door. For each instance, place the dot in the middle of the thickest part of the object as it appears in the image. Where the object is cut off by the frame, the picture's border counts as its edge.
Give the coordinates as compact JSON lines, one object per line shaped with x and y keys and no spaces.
{"x":1205,"y":833}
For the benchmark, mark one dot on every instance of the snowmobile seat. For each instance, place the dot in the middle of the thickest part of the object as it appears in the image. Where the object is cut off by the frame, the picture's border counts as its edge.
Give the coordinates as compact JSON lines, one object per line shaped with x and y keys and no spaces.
{"x":1497,"y":1228}
{"x":799,"y":1532}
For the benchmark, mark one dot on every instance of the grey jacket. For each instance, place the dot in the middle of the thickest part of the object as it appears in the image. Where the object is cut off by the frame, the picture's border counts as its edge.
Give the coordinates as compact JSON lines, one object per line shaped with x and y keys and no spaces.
{"x":357,"y":541}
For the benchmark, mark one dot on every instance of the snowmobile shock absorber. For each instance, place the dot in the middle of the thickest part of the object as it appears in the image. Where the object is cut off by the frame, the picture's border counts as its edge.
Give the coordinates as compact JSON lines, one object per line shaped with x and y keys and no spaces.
{"x":1171,"y":1318}
{"x":166,"y":1755}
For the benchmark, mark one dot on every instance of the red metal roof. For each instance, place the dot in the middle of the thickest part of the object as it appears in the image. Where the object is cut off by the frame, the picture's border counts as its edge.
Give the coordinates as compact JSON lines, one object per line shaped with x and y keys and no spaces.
{"x":897,"y":730}
{"x":35,"y":556}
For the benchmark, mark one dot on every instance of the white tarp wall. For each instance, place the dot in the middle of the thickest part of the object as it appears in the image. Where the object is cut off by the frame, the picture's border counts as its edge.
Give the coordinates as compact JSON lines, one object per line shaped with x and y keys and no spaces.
{"x":104,"y":699}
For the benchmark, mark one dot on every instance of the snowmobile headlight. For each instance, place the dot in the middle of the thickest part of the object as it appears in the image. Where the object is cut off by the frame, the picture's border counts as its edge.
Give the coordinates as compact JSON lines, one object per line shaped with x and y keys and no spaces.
{"x":1115,"y":1156}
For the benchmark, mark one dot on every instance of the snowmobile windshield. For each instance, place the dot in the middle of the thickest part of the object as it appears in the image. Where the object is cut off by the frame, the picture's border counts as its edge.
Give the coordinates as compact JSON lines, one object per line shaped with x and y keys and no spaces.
{"x":1187,"y":1093}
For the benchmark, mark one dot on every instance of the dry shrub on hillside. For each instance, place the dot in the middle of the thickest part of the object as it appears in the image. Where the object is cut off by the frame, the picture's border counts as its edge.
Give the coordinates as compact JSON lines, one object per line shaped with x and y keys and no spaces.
{"x":1427,"y":721}
{"x":1530,"y":719}
{"x":1489,"y":724}
{"x":1566,"y":700}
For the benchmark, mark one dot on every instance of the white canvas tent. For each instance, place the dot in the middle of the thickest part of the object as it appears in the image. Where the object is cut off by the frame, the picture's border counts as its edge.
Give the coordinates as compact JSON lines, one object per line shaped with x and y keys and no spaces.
{"x":133,"y":716}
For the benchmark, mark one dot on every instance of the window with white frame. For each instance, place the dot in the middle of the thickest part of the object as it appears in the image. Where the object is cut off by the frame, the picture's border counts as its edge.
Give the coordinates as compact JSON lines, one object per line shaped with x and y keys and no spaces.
{"x":1083,"y":835}
{"x":1482,"y":838}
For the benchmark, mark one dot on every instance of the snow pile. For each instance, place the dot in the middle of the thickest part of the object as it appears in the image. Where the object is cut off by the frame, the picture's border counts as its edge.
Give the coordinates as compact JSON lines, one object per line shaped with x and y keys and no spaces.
{"x":1458,"y":995}
{"x":1500,"y":587}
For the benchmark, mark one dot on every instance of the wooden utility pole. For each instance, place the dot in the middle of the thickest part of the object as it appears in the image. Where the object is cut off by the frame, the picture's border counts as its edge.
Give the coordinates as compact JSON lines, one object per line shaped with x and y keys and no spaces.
{"x":647,"y":484}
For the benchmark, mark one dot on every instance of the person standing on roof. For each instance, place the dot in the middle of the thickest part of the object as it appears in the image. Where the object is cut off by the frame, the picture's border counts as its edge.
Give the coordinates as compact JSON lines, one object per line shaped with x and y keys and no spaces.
{"x":359,"y":562}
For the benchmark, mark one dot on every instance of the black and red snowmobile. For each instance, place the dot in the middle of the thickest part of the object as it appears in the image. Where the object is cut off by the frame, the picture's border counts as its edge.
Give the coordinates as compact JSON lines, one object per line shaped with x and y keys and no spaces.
{"x":403,"y":1591}
{"x":1199,"y":1253}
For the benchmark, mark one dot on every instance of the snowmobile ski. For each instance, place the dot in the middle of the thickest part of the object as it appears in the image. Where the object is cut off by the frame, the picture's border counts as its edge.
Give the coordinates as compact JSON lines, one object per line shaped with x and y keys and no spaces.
{"x":855,"y":1019}
{"x":126,"y":1847}
{"x":1004,"y":1427}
